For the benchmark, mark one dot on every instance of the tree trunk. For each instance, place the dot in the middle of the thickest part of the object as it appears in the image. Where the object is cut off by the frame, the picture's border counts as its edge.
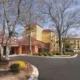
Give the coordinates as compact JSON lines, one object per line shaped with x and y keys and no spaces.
{"x":8,"y":48}
{"x":30,"y":43}
{"x":60,"y":45}
{"x":63,"y":46}
{"x":2,"y":51}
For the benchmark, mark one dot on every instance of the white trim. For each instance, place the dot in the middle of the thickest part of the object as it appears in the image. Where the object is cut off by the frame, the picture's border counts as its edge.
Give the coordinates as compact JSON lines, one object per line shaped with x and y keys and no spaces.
{"x":35,"y":74}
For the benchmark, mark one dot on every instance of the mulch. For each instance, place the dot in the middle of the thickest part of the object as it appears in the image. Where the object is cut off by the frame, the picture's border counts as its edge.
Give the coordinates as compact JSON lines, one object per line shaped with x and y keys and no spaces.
{"x":5,"y":73}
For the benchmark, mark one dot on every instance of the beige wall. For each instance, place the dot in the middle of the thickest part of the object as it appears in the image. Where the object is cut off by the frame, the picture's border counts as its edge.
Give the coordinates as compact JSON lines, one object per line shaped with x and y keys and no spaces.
{"x":50,"y":37}
{"x":35,"y":33}
{"x":75,"y":43}
{"x":54,"y":40}
{"x":39,"y":33}
{"x":46,"y":37}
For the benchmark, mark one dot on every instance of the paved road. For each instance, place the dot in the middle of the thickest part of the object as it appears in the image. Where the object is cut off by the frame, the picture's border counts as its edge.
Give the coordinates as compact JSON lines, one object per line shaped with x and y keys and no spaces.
{"x":55,"y":69}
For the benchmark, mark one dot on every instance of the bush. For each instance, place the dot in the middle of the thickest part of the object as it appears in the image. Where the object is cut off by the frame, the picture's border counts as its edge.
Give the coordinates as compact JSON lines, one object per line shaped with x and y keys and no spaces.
{"x":15,"y":68}
{"x":22,"y":64}
{"x":40,"y":54}
{"x":45,"y":54}
{"x":35,"y":54}
{"x":50,"y":54}
{"x":70,"y":53}
{"x":55,"y":53}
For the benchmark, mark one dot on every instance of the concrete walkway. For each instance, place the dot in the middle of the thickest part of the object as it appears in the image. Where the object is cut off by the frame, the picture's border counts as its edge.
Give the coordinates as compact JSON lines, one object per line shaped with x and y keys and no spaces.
{"x":55,"y":68}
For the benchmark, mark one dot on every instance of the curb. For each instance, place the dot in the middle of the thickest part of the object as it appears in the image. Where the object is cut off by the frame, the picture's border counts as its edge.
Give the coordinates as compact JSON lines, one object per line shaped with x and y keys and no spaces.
{"x":35,"y":74}
{"x":55,"y":56}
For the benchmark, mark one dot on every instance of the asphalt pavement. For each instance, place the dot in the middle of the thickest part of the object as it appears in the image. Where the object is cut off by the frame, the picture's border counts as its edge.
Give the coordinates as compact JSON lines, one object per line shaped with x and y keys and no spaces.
{"x":55,"y":68}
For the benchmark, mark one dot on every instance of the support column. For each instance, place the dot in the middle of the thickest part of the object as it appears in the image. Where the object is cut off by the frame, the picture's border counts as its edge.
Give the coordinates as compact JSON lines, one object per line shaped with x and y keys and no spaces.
{"x":20,"y":50}
{"x":36,"y":49}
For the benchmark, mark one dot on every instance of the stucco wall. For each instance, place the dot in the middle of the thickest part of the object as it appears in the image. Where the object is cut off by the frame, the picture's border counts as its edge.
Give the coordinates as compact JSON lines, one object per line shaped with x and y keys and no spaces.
{"x":46,"y":37}
{"x":38,"y":33}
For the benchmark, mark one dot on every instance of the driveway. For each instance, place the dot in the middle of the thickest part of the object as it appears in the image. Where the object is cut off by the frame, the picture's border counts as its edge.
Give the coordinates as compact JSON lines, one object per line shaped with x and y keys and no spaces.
{"x":55,"y":68}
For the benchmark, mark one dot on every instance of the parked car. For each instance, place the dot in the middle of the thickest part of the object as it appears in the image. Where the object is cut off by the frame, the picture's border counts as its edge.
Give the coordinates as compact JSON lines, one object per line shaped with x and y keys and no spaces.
{"x":69,"y":50}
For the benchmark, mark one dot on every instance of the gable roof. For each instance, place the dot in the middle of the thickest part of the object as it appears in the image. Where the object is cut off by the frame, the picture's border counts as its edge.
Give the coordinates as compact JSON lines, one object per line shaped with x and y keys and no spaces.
{"x":47,"y":30}
{"x":13,"y":42}
{"x":32,"y":24}
{"x":25,"y":41}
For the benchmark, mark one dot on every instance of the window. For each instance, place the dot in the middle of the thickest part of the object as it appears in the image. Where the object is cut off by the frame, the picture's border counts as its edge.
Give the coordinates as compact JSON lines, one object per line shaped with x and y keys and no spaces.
{"x":78,"y":41}
{"x":78,"y":46}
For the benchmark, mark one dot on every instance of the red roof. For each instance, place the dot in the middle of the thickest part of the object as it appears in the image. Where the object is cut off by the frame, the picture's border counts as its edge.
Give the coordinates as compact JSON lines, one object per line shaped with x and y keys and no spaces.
{"x":32,"y":25}
{"x":25,"y":41}
{"x":13,"y":42}
{"x":47,"y":30}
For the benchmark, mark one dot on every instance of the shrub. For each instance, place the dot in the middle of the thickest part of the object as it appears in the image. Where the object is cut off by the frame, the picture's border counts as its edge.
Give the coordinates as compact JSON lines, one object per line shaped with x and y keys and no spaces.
{"x":50,"y":54}
{"x":45,"y":54}
{"x":58,"y":53}
{"x":54,"y":53}
{"x":15,"y":68}
{"x":22,"y":64}
{"x":70,"y":53}
{"x":40,"y":54}
{"x":35,"y":54}
{"x":64,"y":53}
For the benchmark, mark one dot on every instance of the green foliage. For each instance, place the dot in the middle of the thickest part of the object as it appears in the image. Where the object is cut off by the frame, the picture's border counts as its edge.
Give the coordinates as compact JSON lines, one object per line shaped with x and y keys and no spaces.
{"x":70,"y":53}
{"x":40,"y":54}
{"x":55,"y":53}
{"x":35,"y":53}
{"x":22,"y":64}
{"x":50,"y":54}
{"x":67,"y":45}
{"x":15,"y":68}
{"x":45,"y":54}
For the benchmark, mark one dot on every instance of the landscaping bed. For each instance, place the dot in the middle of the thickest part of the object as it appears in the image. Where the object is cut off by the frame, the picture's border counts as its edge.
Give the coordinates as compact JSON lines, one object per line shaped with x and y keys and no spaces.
{"x":7,"y":74}
{"x":55,"y":54}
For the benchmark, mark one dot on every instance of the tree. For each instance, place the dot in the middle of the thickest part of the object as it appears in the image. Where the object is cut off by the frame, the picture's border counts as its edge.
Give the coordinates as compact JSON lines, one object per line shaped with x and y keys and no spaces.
{"x":61,"y":16}
{"x":28,"y":16}
{"x":11,"y":24}
{"x":11,"y":13}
